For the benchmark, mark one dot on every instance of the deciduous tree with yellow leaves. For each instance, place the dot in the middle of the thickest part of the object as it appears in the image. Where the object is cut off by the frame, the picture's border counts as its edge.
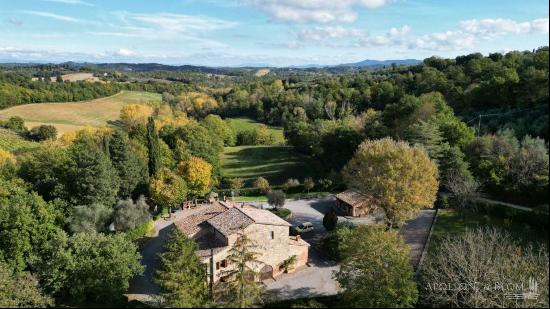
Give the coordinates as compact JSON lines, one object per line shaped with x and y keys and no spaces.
{"x":400,"y":177}
{"x":196,"y":103}
{"x":198,"y":175}
{"x":135,"y":114}
{"x":167,"y":188}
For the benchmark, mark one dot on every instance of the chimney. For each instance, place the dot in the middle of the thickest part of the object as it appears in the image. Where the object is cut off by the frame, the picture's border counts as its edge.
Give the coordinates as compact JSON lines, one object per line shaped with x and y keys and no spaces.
{"x":298,"y":237}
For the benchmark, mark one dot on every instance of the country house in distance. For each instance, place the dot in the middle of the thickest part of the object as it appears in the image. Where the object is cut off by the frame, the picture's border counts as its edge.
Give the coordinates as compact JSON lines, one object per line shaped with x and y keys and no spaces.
{"x":216,"y":226}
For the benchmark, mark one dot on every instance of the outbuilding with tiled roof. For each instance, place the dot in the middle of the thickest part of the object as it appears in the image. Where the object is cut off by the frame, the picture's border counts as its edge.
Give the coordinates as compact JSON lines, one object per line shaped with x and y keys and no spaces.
{"x":354,"y":203}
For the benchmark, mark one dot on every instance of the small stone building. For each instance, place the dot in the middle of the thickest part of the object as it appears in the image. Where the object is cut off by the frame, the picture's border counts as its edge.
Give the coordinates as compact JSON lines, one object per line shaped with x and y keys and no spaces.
{"x":215,"y":227}
{"x":356,"y":204}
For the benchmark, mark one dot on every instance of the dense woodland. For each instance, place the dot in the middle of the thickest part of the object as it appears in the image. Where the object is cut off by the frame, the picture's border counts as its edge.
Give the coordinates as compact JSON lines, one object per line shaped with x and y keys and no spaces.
{"x":69,"y":207}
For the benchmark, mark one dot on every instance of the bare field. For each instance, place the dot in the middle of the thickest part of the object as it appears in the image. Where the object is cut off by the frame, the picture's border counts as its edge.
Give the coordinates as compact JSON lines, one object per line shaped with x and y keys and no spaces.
{"x":79,"y":76}
{"x":262,"y":72}
{"x":67,"y":117}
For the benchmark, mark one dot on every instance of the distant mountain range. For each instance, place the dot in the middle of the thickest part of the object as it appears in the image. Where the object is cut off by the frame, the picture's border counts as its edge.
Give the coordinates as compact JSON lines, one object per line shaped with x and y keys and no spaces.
{"x":380,"y":63}
{"x":145,"y":67}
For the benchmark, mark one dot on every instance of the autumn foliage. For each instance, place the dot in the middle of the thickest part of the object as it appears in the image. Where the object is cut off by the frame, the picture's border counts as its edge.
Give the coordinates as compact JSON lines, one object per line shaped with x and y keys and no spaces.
{"x":134,"y":114}
{"x":400,"y":177}
{"x":197,"y":173}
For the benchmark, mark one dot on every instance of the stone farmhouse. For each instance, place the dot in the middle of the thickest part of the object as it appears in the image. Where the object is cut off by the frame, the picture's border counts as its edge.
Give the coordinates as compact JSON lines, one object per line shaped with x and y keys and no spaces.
{"x":215,"y":227}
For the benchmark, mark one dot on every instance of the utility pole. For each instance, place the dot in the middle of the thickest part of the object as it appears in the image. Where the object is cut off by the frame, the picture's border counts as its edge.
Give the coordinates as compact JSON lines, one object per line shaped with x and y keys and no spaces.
{"x":211,"y":274}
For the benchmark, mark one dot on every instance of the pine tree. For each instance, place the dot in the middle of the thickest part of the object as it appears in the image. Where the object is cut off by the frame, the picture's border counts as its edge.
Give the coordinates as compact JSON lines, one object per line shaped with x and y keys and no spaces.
{"x":241,"y":290}
{"x":181,"y":276}
{"x":125,"y":163}
{"x":93,"y":179}
{"x":153,"y":146}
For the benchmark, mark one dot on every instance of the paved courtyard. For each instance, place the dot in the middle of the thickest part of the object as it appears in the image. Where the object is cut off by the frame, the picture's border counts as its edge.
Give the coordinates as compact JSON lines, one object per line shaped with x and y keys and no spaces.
{"x":313,"y":280}
{"x":316,"y":280}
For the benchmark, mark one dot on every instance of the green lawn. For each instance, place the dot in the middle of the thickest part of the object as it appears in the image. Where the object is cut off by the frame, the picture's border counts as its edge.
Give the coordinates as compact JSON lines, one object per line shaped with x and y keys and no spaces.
{"x":296,"y":196}
{"x":14,"y":143}
{"x":243,"y":124}
{"x":450,"y":223}
{"x":276,"y":163}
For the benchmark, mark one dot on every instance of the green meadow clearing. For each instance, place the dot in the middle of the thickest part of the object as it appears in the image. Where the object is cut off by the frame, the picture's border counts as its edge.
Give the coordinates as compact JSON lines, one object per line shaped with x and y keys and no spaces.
{"x":72,"y":116}
{"x":276,"y":163}
{"x":244,"y":124}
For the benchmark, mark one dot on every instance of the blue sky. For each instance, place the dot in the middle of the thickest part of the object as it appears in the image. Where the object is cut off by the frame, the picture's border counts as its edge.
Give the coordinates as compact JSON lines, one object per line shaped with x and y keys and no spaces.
{"x":274,"y":32}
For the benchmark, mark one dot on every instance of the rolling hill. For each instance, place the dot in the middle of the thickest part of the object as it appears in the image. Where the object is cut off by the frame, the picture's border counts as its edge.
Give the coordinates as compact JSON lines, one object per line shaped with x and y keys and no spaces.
{"x":67,"y":117}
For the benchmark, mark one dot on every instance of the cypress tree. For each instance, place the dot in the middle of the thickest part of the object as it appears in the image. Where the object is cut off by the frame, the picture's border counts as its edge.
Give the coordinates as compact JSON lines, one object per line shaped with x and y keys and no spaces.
{"x":153,"y":147}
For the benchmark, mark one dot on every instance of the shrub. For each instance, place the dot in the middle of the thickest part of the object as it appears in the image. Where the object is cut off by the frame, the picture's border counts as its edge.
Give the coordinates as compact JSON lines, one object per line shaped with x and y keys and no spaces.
{"x":325,"y":183}
{"x":333,"y":242}
{"x":140,"y":231}
{"x":262,"y":184}
{"x":330,"y":220}
{"x":16,"y":124}
{"x":291,"y":183}
{"x":43,"y":132}
{"x":284,"y":213}
{"x":309,"y":184}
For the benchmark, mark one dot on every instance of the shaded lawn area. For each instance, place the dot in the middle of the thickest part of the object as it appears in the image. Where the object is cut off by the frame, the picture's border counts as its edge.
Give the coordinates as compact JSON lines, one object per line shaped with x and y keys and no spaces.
{"x":296,"y":196}
{"x":450,"y":223}
{"x":275,"y":163}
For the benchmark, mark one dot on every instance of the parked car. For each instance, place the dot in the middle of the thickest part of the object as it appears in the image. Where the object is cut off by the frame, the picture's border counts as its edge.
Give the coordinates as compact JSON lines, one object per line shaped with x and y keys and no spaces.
{"x":304,"y":227}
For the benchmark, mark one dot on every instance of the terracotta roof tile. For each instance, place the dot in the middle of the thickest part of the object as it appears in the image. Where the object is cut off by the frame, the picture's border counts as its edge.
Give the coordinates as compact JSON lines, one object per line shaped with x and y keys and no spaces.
{"x":190,"y":225}
{"x":262,"y":216}
{"x":230,"y":221}
{"x":354,"y":198}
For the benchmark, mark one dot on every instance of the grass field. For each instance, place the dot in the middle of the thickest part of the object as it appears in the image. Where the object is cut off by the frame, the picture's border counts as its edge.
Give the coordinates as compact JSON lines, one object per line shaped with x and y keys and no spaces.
{"x":14,"y":143}
{"x":276,"y":163}
{"x":73,"y":116}
{"x":242,"y":124}
{"x":450,"y":223}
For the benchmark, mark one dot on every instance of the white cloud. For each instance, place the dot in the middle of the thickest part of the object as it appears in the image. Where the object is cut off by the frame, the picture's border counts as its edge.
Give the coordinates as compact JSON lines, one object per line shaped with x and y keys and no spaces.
{"x":472,"y":31}
{"x":178,"y":23}
{"x":123,"y":52}
{"x":320,"y":11}
{"x":490,"y":28}
{"x":449,"y":40}
{"x":464,"y":37}
{"x":324,"y":33}
{"x":73,"y":2}
{"x":540,"y":25}
{"x":165,"y":26}
{"x":52,"y":15}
